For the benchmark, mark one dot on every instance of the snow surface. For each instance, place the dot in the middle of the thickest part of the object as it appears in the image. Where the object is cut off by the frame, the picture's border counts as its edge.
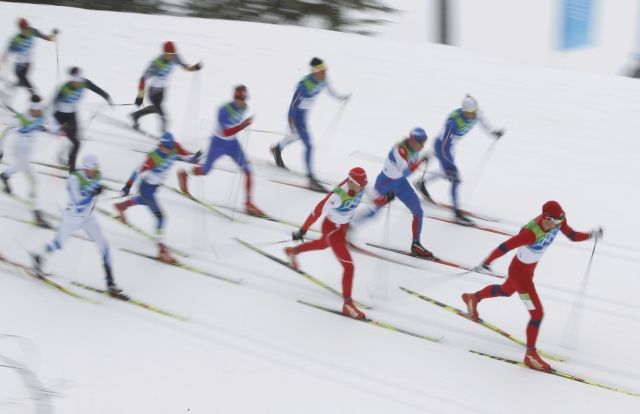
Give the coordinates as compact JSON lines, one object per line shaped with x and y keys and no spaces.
{"x":251,"y":347}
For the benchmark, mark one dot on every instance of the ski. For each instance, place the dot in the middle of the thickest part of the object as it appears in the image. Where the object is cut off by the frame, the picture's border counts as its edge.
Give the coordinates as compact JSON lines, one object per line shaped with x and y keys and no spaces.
{"x":303,"y":186}
{"x":207,"y":206}
{"x":449,"y":207}
{"x":480,"y":322}
{"x":132,"y":301}
{"x":558,"y":373}
{"x":125,"y":125}
{"x":307,"y":276}
{"x":45,"y":279}
{"x":369,"y":253}
{"x":473,"y":226}
{"x":184,"y":266}
{"x":434,"y":259}
{"x":374,"y":322}
{"x":137,"y":230}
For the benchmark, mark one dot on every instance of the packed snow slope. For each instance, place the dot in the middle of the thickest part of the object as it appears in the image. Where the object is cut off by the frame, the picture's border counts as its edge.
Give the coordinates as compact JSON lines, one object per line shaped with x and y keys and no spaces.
{"x":251,"y":347}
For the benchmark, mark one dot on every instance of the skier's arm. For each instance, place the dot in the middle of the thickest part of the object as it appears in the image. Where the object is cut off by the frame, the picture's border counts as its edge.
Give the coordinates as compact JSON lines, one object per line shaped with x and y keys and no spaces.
{"x":190,"y":68}
{"x":317,"y":212}
{"x":186,"y":156}
{"x":573,"y":235}
{"x":335,"y":94}
{"x":526,"y":236}
{"x":228,"y":129}
{"x":147,"y":165}
{"x":94,"y":88}
{"x":73,"y":187}
{"x":495,"y":132}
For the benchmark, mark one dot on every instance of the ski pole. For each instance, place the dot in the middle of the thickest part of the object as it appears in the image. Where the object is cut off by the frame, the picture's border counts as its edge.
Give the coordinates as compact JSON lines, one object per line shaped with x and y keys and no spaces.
{"x":572,"y":328}
{"x":480,"y":167}
{"x":57,"y":62}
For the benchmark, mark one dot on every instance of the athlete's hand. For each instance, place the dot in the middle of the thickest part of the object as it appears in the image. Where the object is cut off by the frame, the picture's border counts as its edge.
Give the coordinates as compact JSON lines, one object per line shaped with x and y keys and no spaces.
{"x":139,"y":98}
{"x":597,"y":232}
{"x":298,"y":235}
{"x":125,"y":190}
{"x":483,"y":268}
{"x":498,"y":133}
{"x":98,"y":190}
{"x":196,"y":67}
{"x":195,"y":158}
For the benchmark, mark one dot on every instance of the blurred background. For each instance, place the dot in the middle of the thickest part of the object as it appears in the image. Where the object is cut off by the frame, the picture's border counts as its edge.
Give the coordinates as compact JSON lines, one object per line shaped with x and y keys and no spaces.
{"x":599,"y":36}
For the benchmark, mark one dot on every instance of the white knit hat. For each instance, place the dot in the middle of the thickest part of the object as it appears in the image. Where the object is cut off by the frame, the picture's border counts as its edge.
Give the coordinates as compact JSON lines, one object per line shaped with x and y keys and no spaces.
{"x":469,"y":104}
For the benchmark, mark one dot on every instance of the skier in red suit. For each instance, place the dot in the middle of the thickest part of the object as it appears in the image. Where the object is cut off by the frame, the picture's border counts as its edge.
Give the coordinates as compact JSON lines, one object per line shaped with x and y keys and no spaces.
{"x":532,"y":242}
{"x":338,"y":206}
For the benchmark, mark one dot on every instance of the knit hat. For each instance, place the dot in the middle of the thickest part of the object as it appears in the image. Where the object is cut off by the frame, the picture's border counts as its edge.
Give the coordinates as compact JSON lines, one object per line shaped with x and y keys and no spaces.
{"x":75,"y":75}
{"x":169,"y":47}
{"x":552,"y":209}
{"x":469,"y":104}
{"x":36,"y":103}
{"x":90,"y":162}
{"x":317,"y":65}
{"x":167,"y":140}
{"x":358,"y":175}
{"x":418,"y":134}
{"x":23,"y":23}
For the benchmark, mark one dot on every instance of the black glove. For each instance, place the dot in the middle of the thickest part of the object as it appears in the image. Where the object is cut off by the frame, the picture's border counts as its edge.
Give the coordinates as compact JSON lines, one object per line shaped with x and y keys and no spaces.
{"x":298,"y":235}
{"x":498,"y":133}
{"x":125,"y":190}
{"x":195,"y":157}
{"x":483,"y":268}
{"x":597,"y":233}
{"x":197,"y":66}
{"x":389,"y":197}
{"x":109,"y":100}
{"x":98,"y":190}
{"x":139,"y":99}
{"x":55,"y":31}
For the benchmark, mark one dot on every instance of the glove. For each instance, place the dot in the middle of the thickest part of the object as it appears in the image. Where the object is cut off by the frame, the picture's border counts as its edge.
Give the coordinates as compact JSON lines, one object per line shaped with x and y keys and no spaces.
{"x":139,"y":98}
{"x":197,"y":66}
{"x":109,"y":100}
{"x":345,"y":98}
{"x":597,"y":233}
{"x":125,"y":190}
{"x":483,"y":268}
{"x":195,"y":157}
{"x":389,"y":197}
{"x":55,"y":31}
{"x":498,"y":133}
{"x":98,"y":190}
{"x":298,"y":235}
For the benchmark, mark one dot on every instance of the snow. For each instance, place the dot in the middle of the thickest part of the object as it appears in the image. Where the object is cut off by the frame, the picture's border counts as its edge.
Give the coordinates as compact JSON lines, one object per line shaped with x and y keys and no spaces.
{"x":251,"y":347}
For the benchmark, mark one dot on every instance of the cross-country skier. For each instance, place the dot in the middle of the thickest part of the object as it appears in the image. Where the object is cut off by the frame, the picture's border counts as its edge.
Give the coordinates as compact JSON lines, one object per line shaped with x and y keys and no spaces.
{"x":66,"y":106}
{"x":83,"y":187}
{"x":303,"y":98}
{"x":338,"y":207}
{"x":392,"y":182}
{"x":532,"y":242}
{"x":25,"y":129}
{"x":231,"y":121}
{"x":158,"y":72}
{"x":21,"y":46}
{"x":153,"y":173}
{"x":460,"y":121}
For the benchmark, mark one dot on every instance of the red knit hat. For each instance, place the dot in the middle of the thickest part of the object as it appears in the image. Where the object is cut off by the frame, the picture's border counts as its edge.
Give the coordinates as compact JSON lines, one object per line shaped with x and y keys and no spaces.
{"x":358,"y":175}
{"x":23,"y":23}
{"x":552,"y":209}
{"x":169,"y":47}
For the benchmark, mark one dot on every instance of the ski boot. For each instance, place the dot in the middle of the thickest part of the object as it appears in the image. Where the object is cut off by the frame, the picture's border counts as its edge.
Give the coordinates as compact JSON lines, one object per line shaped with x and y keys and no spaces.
{"x":418,"y":249}
{"x":350,"y":310}
{"x":423,"y":190}
{"x":183,"y":181}
{"x":291,"y":254}
{"x":252,"y":210}
{"x":5,"y":181}
{"x":38,"y":261}
{"x":134,"y":121}
{"x":314,"y":185}
{"x":164,"y":255}
{"x":40,"y":221}
{"x":471,"y":300}
{"x":462,"y":219}
{"x":117,"y":293}
{"x":533,"y":361}
{"x":276,"y":151}
{"x":121,"y":207}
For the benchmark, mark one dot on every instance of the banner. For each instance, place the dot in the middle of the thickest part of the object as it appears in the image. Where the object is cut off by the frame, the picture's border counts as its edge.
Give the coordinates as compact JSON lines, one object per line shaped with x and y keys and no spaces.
{"x":577,"y":22}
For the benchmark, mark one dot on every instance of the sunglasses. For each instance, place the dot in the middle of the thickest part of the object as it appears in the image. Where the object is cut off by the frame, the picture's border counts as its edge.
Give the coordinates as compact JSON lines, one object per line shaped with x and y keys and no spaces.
{"x":554,"y":220}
